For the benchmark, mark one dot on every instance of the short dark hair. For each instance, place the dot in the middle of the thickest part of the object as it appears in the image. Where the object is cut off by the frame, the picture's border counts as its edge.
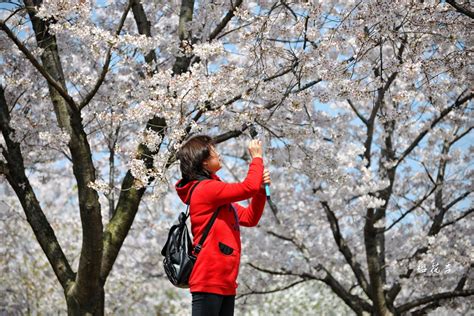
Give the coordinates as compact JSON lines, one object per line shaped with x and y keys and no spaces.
{"x":191,"y":156}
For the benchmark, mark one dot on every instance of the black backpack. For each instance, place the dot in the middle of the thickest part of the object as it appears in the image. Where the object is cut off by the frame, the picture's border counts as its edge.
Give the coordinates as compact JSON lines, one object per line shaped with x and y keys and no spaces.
{"x":179,"y":259}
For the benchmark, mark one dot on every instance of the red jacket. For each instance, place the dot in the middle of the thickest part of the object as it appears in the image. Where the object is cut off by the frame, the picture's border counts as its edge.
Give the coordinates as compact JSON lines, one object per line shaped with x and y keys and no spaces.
{"x":217,"y":265}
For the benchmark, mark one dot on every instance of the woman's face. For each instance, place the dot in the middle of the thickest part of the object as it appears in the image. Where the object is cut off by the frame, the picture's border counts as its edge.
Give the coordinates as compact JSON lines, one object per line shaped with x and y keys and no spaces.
{"x":213,"y":163}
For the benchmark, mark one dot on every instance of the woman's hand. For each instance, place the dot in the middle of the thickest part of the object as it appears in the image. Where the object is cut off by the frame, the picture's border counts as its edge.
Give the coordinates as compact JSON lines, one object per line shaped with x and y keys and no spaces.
{"x":266,"y":178}
{"x":255,"y":148}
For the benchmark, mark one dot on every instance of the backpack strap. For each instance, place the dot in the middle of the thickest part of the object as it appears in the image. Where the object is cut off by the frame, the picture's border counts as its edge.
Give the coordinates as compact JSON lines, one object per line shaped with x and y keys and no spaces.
{"x":191,"y":193}
{"x":198,"y":247}
{"x":188,"y":202}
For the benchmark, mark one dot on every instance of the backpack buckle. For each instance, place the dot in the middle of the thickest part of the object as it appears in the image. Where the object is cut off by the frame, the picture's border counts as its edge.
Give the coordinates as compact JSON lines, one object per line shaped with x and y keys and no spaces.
{"x":197,"y":249}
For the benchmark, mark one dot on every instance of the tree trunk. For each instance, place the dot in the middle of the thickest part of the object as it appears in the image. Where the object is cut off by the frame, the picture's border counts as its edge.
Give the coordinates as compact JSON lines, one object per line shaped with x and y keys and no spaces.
{"x":93,"y":308}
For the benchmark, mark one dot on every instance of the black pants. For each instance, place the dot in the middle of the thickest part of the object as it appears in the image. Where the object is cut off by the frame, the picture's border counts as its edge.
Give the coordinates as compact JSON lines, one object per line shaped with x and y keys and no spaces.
{"x":209,"y":304}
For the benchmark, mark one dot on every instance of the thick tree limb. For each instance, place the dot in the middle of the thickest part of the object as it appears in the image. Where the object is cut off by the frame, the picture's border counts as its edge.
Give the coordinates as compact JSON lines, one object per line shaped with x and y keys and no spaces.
{"x":464,"y":278}
{"x":461,"y":9}
{"x":186,"y":15}
{"x":371,"y":121}
{"x":143,"y":25}
{"x":358,"y":305}
{"x":437,"y":303}
{"x":442,"y":210}
{"x":129,"y":199}
{"x":432,"y":298}
{"x":379,"y":101}
{"x":14,"y":171}
{"x":127,"y":206}
{"x":223,"y":23}
{"x":372,"y":238}
{"x":424,"y":311}
{"x":345,"y":250}
{"x":39,"y":67}
{"x":387,"y":154}
{"x":373,"y":265}
{"x":84,"y":290}
{"x":438,"y":220}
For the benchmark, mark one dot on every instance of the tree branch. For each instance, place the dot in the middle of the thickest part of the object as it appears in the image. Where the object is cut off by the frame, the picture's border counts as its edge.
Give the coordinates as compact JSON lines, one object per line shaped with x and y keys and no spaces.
{"x":144,"y":26}
{"x":14,"y":171}
{"x":445,"y":112}
{"x":458,"y":137}
{"x":363,"y":119}
{"x":438,"y":219}
{"x":223,"y":23}
{"x":86,"y":286}
{"x":461,"y":9}
{"x":371,"y":121}
{"x":300,"y":246}
{"x":272,"y":272}
{"x":437,"y":303}
{"x":185,"y":16}
{"x":127,"y":206}
{"x":345,"y":250}
{"x":414,"y":207}
{"x":278,"y":289}
{"x":357,"y":304}
{"x":467,"y":213}
{"x":129,"y":199}
{"x":39,"y":67}
{"x":431,"y":298}
{"x":105,"y":68}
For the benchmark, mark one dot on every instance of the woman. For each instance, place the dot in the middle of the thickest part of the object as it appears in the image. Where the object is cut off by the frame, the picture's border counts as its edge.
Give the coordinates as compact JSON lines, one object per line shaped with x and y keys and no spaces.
{"x":213,"y":279}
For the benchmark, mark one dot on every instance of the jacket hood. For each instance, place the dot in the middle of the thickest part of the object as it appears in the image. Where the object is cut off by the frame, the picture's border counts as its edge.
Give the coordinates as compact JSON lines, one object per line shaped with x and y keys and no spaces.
{"x":184,"y":188}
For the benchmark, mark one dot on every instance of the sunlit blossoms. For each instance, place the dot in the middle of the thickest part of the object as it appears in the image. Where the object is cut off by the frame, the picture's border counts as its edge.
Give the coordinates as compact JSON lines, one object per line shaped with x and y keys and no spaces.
{"x":364,"y":108}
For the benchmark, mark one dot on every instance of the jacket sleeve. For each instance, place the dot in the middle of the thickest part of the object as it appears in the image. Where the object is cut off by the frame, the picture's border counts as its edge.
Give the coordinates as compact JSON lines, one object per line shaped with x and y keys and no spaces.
{"x":250,"y":216}
{"x":219,"y":193}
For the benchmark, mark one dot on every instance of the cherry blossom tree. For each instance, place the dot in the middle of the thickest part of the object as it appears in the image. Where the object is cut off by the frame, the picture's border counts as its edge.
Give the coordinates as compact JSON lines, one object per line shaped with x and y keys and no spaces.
{"x":365,"y":108}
